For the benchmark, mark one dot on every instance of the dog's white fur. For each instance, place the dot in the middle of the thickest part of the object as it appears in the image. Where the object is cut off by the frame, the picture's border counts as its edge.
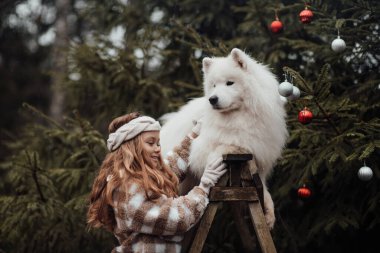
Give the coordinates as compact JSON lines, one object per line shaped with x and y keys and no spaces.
{"x":249,"y":115}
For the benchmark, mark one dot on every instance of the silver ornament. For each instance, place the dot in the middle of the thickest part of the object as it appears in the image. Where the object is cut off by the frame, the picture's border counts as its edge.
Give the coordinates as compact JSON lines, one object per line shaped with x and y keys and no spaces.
{"x":296,"y":93}
{"x":365,"y":173}
{"x":338,"y":45}
{"x":285,"y":89}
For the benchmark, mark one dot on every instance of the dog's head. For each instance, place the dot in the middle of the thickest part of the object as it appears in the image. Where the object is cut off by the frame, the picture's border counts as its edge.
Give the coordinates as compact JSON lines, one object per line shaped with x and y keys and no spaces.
{"x":226,"y":80}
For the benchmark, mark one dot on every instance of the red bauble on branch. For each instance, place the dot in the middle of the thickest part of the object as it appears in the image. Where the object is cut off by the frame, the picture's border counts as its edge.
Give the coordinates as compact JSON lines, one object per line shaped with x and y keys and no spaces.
{"x":276,"y":26}
{"x":304,"y":192}
{"x":306,"y":16}
{"x":305,"y":116}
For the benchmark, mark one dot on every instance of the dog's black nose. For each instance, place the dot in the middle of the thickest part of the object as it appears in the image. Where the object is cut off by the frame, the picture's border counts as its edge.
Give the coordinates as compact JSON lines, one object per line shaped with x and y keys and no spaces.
{"x":213,"y":100}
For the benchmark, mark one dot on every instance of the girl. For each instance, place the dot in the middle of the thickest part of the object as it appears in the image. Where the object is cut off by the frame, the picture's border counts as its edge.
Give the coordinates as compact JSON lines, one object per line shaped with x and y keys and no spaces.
{"x":135,"y":194}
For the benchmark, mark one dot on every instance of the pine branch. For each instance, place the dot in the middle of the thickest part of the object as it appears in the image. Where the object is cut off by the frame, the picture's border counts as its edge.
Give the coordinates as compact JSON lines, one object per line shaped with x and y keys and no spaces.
{"x":34,"y":167}
{"x":82,"y":126}
{"x":298,"y":79}
{"x":326,"y":116}
{"x":41,"y":114}
{"x":322,"y":87}
{"x":306,"y":86}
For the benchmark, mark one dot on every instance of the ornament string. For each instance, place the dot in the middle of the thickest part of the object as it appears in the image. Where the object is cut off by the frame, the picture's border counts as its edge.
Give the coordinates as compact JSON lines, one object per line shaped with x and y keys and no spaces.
{"x":306,"y":5}
{"x":285,"y":76}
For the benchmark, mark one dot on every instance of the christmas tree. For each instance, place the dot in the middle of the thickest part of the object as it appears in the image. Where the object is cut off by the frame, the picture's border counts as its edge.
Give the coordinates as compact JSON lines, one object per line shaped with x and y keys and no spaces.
{"x":157,"y":67}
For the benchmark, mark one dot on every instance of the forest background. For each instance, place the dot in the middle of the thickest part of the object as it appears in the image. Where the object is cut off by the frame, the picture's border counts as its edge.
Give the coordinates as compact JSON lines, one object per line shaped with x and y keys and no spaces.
{"x":67,"y":67}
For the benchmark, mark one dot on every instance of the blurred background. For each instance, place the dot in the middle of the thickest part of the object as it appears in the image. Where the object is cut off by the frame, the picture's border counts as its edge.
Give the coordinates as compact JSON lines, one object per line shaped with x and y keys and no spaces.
{"x":68,"y":67}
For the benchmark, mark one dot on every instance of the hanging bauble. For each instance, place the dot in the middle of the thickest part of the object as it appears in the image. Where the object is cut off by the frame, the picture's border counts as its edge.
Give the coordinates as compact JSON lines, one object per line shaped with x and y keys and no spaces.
{"x":276,"y":26}
{"x":296,"y":93}
{"x":305,"y":116}
{"x":285,"y":89}
{"x":365,"y":173}
{"x":306,"y":16}
{"x":338,"y":45}
{"x":304,"y":192}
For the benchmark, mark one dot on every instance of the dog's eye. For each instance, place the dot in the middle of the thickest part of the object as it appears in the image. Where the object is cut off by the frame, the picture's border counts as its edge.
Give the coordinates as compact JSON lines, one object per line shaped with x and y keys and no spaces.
{"x":214,"y":85}
{"x":229,"y":83}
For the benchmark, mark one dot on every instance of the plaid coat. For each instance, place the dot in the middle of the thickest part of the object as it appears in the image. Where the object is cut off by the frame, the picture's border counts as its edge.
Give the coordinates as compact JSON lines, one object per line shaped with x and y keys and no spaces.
{"x":155,"y":226}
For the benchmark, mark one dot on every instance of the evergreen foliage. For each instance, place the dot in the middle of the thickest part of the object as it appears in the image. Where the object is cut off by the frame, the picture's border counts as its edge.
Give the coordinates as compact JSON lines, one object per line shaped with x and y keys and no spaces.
{"x":45,"y":191}
{"x":46,"y":180}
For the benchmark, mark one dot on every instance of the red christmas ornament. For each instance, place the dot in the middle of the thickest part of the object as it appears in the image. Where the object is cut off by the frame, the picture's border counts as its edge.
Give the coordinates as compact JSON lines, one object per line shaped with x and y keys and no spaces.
{"x":305,"y":116}
{"x":276,"y":26}
{"x":304,"y":192}
{"x":306,"y":15}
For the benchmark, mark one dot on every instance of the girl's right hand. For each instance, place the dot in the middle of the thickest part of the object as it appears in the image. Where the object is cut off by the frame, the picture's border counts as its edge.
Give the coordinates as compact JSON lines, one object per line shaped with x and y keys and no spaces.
{"x":212,"y":173}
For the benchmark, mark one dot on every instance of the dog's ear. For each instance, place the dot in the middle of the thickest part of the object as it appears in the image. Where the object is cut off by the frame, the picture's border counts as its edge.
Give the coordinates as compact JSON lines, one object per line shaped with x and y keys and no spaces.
{"x":206,"y":64}
{"x":239,"y":57}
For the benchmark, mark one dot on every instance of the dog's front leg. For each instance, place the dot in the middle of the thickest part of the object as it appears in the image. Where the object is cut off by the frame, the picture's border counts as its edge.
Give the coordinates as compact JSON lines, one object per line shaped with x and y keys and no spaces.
{"x":268,"y":207}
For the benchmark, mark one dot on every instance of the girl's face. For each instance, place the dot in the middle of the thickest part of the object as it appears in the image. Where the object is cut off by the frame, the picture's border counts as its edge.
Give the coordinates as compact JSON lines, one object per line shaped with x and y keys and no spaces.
{"x":151,"y":146}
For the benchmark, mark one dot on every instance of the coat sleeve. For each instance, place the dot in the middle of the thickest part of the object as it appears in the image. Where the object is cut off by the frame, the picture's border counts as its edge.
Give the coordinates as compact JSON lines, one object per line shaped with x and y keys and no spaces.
{"x":163,"y":216}
{"x":178,"y":159}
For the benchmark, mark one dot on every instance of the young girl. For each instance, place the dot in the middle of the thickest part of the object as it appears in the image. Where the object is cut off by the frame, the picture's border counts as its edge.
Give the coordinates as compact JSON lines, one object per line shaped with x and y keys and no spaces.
{"x":135,"y":194}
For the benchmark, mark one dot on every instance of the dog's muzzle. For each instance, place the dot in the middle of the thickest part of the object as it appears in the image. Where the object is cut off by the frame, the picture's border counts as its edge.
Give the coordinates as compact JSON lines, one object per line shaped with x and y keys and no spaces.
{"x":213,"y":100}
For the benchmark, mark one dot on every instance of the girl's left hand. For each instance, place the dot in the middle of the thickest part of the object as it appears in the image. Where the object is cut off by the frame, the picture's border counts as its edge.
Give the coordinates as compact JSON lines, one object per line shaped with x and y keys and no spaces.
{"x":197,"y":127}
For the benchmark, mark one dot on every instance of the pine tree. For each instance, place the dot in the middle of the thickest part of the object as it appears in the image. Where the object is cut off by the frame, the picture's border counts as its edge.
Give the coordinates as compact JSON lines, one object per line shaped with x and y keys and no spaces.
{"x":47,"y":180}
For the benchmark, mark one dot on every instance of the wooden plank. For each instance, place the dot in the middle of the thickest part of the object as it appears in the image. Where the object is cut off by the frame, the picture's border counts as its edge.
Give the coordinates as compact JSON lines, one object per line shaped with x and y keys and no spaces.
{"x":259,"y":186}
{"x":248,"y":179}
{"x":204,"y":228}
{"x":206,"y":220}
{"x":248,"y":240}
{"x":218,"y":193}
{"x":237,"y":157}
{"x":222,"y":181}
{"x":262,"y":231}
{"x":235,"y":171}
{"x":246,"y":176}
{"x":235,"y":162}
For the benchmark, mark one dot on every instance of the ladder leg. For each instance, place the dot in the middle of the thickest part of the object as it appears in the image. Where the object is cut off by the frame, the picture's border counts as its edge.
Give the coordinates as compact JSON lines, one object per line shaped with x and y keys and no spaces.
{"x":204,"y":228}
{"x":261,"y":228}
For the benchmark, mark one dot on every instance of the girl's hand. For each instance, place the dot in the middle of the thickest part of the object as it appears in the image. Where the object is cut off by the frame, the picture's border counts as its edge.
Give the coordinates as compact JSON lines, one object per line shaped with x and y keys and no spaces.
{"x":196,"y":128}
{"x":212,"y":173}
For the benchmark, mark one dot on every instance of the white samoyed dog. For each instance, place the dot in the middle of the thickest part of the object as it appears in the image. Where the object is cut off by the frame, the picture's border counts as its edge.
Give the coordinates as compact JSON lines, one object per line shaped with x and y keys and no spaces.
{"x":240,"y":110}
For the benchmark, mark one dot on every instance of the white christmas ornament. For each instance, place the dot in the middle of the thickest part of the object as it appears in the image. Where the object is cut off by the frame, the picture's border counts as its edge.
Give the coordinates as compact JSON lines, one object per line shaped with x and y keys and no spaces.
{"x":365,"y":173}
{"x":338,"y":45}
{"x":296,"y":93}
{"x":285,"y":89}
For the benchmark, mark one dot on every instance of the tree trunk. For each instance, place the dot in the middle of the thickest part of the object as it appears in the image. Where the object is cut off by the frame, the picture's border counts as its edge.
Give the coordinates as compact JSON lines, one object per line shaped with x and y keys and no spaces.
{"x":59,"y":62}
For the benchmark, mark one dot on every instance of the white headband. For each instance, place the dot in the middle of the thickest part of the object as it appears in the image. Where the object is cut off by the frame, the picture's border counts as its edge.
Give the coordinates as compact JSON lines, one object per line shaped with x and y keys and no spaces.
{"x":131,"y":130}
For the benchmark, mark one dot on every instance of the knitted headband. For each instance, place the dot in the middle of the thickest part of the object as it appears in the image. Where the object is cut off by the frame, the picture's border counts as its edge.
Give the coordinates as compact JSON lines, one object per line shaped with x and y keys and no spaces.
{"x":131,"y":130}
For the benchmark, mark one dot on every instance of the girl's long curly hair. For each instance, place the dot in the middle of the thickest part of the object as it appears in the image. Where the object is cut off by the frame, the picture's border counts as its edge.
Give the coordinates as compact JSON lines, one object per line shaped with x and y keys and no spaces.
{"x":128,"y":162}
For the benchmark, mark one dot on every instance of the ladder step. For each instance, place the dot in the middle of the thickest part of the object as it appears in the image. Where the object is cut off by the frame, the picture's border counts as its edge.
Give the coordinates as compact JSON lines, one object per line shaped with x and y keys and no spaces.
{"x":219,"y":193}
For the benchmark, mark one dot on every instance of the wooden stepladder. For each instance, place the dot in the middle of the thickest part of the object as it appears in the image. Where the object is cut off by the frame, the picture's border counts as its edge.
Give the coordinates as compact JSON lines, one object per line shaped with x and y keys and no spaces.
{"x":239,"y":188}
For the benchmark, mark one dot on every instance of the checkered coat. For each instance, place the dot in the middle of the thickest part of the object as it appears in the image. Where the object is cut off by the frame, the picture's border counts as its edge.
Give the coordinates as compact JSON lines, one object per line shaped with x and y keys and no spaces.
{"x":155,"y":226}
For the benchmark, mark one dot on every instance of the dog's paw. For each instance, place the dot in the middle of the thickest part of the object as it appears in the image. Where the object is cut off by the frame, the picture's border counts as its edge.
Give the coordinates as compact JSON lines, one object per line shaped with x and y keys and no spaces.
{"x":269,"y":217}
